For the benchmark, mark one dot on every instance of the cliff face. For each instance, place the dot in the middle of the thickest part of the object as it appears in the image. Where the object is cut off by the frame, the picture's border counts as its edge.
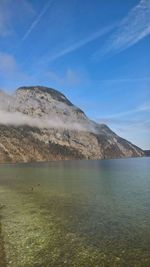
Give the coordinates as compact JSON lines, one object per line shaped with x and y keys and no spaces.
{"x":39,"y":123}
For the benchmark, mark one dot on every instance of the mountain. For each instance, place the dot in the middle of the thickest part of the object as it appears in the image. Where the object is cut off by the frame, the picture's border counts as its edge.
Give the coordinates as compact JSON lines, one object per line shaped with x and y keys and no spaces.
{"x":147,"y":153}
{"x":40,"y":124}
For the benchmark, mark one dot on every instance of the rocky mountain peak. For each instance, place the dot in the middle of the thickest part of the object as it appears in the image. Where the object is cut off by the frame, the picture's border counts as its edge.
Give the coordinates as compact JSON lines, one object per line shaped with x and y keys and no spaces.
{"x":43,"y":92}
{"x":43,"y":101}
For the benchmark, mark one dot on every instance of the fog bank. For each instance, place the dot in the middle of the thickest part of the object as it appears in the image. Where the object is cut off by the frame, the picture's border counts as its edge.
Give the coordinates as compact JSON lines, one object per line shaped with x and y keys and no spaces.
{"x":20,"y":119}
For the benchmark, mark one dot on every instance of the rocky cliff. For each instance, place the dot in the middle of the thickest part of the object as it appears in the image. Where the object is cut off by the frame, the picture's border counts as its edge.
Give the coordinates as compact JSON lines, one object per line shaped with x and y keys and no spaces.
{"x":39,"y":123}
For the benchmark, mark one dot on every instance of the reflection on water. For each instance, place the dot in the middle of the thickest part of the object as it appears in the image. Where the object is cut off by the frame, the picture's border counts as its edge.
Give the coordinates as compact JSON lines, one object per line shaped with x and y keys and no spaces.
{"x":76,"y":213}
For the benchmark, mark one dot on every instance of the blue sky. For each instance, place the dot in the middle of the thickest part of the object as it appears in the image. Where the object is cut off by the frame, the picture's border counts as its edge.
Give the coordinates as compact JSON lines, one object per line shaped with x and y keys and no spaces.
{"x":96,"y":52}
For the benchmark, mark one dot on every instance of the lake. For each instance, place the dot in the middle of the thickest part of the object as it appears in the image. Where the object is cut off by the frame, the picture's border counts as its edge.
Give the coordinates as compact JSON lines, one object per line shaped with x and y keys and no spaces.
{"x":75,"y":213}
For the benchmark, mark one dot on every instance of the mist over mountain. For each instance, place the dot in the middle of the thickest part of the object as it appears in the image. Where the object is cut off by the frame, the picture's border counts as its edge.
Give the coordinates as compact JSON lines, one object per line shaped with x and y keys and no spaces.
{"x":40,"y":123}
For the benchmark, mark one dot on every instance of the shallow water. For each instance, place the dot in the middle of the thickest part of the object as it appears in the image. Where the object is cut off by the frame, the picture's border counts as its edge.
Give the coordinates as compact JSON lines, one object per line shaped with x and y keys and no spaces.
{"x":76,"y":213}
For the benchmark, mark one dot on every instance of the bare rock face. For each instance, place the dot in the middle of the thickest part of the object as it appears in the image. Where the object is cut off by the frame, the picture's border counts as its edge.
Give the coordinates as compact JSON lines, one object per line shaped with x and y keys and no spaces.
{"x":39,"y":123}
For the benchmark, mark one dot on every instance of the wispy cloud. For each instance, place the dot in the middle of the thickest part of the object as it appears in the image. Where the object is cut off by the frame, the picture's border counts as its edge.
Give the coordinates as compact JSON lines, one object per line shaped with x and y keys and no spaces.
{"x":11,"y":10}
{"x":7,"y":64}
{"x":18,"y":118}
{"x":10,"y":71}
{"x":80,"y":43}
{"x":137,"y":131}
{"x":126,"y":80}
{"x":70,"y":78}
{"x":36,"y":21}
{"x":133,"y":28}
{"x":133,"y":125}
{"x":121,"y":115}
{"x":144,"y":107}
{"x":4,"y":19}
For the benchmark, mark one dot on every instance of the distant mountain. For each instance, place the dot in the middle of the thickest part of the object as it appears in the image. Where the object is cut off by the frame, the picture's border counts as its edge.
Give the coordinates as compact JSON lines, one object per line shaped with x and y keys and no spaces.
{"x":40,"y":123}
{"x":147,"y":153}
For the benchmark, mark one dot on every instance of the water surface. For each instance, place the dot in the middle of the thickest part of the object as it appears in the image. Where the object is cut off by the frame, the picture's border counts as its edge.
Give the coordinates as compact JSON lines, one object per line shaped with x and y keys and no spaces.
{"x":76,"y":213}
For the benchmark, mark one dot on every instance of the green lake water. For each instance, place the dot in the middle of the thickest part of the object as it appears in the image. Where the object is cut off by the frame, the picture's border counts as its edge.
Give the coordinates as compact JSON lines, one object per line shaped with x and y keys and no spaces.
{"x":76,"y":213}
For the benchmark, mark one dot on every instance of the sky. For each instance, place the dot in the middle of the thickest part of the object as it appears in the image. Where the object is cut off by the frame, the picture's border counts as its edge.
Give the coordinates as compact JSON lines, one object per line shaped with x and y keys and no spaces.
{"x":95,"y":52}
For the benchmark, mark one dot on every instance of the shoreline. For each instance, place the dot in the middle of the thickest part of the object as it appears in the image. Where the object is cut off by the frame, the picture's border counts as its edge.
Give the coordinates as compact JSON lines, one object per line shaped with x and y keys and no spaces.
{"x":66,"y":160}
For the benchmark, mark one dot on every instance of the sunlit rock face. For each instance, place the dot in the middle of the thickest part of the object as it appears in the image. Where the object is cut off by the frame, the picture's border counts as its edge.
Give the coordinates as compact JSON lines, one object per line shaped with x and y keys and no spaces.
{"x":39,"y":123}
